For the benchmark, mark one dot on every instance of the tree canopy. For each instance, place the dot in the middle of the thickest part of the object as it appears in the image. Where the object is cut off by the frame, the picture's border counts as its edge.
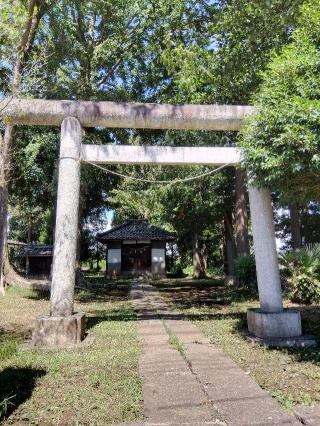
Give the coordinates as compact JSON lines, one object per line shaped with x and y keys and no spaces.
{"x":176,"y":52}
{"x":281,"y":141}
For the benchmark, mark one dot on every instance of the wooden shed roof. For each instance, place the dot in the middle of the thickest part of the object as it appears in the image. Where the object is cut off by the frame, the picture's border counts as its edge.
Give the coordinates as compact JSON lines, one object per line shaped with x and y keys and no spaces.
{"x":35,"y":250}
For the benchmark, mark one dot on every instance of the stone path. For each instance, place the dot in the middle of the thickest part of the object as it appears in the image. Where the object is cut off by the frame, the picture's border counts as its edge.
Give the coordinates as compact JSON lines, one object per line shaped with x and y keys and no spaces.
{"x":308,"y":415}
{"x":187,"y":380}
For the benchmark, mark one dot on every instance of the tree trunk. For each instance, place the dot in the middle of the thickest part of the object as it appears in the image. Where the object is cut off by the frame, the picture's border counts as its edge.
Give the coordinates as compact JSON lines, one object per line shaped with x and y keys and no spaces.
{"x":36,"y":9}
{"x":204,"y":254}
{"x":229,"y":246}
{"x":10,"y":276}
{"x":295,"y":226}
{"x":307,"y":232}
{"x":29,"y":236}
{"x":199,"y":270}
{"x":3,"y":230}
{"x":241,"y":219}
{"x":4,"y":172}
{"x":29,"y":240}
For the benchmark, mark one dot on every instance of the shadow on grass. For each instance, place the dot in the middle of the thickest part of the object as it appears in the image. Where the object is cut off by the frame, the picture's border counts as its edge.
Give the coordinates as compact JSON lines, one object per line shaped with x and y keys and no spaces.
{"x":204,"y":293}
{"x":188,"y":294}
{"x":97,"y":317}
{"x":99,"y":289}
{"x":310,"y":316}
{"x":304,"y":354}
{"x":16,"y":387}
{"x":37,"y":294}
{"x":105,"y":293}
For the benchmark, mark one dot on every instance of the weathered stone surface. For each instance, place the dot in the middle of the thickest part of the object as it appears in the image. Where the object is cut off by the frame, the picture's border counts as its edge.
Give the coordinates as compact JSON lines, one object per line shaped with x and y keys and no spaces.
{"x":172,"y":394}
{"x":235,"y":395}
{"x":125,"y":114}
{"x":274,"y":324}
{"x":265,"y":250}
{"x":66,"y":230}
{"x":169,"y":377}
{"x":271,"y":321}
{"x":309,"y":416}
{"x":165,"y":155}
{"x":53,"y":331}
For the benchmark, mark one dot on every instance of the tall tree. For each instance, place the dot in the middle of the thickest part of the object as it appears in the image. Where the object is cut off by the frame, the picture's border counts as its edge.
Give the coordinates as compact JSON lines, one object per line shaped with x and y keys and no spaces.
{"x":295,"y":226}
{"x":281,"y":141}
{"x":181,"y":51}
{"x":33,"y":11}
{"x":241,"y":215}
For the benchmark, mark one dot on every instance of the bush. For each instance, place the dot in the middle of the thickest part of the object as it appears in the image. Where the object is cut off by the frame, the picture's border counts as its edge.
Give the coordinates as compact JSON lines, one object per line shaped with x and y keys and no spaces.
{"x":300,"y":272}
{"x":245,"y":271}
{"x":176,"y":270}
{"x":280,"y":142}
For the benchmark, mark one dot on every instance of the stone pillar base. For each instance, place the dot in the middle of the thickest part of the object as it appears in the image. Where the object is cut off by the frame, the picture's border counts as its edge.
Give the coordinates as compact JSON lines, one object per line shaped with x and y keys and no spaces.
{"x":278,"y":329}
{"x":53,"y":331}
{"x":286,"y":323}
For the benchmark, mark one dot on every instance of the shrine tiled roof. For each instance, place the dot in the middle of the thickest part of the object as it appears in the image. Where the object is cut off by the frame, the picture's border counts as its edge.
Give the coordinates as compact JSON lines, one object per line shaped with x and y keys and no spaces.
{"x":135,"y":230}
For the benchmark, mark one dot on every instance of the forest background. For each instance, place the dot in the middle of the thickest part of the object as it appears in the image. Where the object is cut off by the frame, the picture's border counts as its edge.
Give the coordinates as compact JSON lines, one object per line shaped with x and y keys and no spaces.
{"x":205,"y":52}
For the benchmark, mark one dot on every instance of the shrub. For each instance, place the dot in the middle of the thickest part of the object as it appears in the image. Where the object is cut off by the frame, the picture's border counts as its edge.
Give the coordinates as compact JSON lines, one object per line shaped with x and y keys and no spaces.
{"x":176,"y":270}
{"x":300,"y":272}
{"x":245,"y":271}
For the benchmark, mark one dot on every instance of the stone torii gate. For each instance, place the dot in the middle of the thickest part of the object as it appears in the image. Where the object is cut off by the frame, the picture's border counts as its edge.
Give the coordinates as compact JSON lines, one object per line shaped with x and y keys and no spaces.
{"x":62,"y":326}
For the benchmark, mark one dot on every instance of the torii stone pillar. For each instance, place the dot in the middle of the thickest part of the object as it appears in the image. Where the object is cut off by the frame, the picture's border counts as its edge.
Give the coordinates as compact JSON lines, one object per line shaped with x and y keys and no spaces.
{"x":63,"y":327}
{"x":271,"y":321}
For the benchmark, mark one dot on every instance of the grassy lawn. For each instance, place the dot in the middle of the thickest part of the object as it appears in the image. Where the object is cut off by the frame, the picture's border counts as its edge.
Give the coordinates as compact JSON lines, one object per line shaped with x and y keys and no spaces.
{"x":292,"y":376}
{"x":96,"y":385}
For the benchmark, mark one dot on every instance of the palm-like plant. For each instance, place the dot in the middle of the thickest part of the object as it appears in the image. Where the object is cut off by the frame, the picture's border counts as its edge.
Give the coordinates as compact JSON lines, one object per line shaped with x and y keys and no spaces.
{"x":300,"y":270}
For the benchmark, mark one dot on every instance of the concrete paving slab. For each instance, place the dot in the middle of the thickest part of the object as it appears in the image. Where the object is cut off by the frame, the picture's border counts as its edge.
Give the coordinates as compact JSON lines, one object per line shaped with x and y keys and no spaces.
{"x":200,"y":384}
{"x":233,"y":392}
{"x":307,"y":415}
{"x":172,"y":394}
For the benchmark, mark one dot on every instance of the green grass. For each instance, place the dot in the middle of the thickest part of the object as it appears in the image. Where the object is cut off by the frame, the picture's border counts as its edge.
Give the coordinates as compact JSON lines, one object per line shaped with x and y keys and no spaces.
{"x":175,"y":342}
{"x":102,"y":265}
{"x":8,"y":345}
{"x":292,"y":376}
{"x":94,"y":385}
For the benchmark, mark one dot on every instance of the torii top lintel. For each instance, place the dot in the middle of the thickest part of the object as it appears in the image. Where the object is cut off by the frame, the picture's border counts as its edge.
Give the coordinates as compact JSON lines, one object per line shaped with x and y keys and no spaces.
{"x":124,"y":114}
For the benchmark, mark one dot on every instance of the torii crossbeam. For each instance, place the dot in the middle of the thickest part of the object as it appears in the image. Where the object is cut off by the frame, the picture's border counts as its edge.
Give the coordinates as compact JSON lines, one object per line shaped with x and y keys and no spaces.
{"x":62,"y":326}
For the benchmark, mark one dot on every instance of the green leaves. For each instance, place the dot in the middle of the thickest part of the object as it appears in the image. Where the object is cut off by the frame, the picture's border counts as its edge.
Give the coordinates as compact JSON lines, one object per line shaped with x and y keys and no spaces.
{"x":282,"y":141}
{"x":301,"y":272}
